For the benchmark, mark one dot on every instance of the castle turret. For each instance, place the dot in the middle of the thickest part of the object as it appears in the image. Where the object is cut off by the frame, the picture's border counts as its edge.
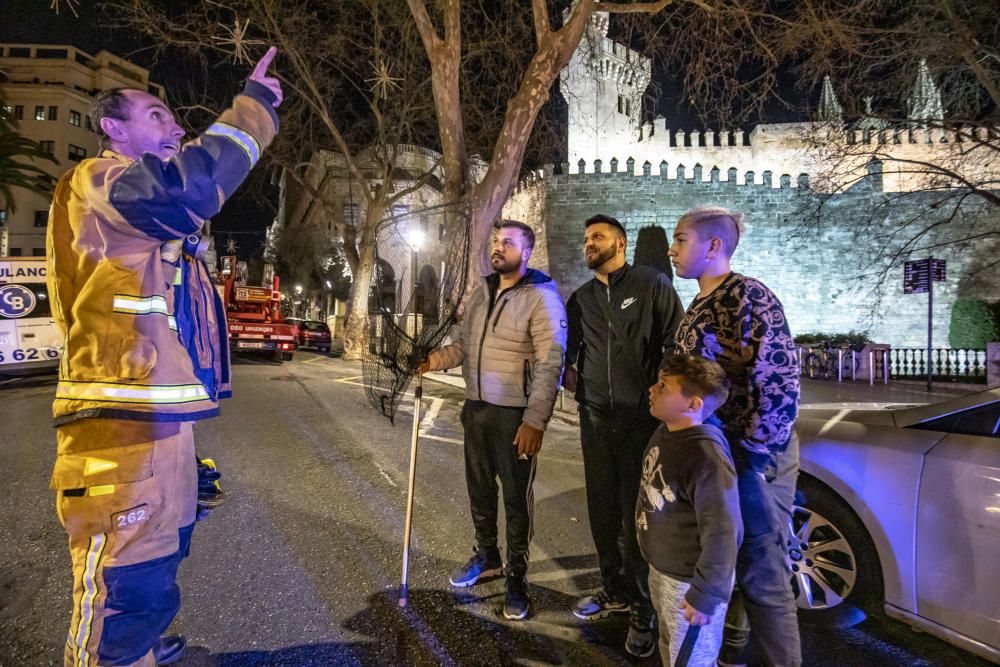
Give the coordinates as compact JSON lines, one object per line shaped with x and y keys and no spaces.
{"x":924,"y":103}
{"x":603,"y":86}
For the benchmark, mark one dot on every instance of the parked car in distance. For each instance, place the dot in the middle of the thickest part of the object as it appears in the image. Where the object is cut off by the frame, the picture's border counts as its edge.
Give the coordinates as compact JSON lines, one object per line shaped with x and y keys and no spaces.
{"x":312,"y":333}
{"x":899,"y":510}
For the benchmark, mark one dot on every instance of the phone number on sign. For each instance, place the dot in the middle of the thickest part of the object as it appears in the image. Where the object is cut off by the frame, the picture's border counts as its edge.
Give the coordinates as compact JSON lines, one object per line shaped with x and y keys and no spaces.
{"x":29,"y":354}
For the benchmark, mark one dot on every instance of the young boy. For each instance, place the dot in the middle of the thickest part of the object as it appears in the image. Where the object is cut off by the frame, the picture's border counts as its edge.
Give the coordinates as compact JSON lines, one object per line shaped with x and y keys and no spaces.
{"x":688,"y":512}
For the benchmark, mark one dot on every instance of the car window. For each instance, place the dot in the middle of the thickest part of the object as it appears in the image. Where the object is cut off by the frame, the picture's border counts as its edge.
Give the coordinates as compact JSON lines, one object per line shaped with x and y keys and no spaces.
{"x":980,"y":420}
{"x":316,"y":326}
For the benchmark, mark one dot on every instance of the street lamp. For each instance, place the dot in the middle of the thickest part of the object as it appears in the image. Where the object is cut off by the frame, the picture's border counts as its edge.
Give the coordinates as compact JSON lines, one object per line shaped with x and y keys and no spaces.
{"x":415,"y":239}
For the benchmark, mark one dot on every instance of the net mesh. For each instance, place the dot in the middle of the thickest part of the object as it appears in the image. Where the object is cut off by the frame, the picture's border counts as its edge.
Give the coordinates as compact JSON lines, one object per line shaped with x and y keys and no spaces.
{"x":419,"y":277}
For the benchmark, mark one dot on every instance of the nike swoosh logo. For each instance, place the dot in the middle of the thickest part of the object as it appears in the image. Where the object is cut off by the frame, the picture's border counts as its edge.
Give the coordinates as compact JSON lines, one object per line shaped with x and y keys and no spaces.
{"x":628,"y":302}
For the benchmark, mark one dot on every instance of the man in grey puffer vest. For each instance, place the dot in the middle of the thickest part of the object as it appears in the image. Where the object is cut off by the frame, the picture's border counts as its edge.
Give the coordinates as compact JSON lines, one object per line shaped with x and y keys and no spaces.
{"x":511,"y":346}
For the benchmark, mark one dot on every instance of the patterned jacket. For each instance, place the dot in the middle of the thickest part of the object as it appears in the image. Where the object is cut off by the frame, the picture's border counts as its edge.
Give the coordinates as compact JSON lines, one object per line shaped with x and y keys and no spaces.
{"x":742,"y":326}
{"x":145,"y":330}
{"x":511,"y":346}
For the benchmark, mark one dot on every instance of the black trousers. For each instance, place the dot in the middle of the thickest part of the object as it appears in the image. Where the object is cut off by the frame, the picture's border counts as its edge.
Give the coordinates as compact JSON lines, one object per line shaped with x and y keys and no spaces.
{"x":612,"y":463}
{"x":490,"y":453}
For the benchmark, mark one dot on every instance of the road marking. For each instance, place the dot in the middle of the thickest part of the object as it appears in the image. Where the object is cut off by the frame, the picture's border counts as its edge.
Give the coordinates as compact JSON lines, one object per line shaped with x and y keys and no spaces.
{"x":428,"y":421}
{"x":384,"y":474}
{"x":325,"y":362}
{"x":426,"y":436}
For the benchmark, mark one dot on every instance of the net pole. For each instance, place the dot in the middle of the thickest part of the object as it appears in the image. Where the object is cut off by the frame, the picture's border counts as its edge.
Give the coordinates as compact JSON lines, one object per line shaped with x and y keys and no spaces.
{"x":414,"y":438}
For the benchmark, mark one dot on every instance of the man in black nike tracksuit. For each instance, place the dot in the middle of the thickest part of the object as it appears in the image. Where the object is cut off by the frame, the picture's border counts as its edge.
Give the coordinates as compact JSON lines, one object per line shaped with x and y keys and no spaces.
{"x":621,"y":324}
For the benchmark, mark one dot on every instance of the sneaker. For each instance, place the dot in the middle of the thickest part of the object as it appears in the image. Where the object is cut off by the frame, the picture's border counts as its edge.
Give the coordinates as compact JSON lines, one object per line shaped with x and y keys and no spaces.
{"x":169,"y":650}
{"x":479,"y":567}
{"x":599,"y":605}
{"x":640,"y":640}
{"x":515,"y":605}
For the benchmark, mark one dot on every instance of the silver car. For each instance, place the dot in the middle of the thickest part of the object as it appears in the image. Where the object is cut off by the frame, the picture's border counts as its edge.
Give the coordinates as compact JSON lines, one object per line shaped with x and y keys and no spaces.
{"x":899,"y":509}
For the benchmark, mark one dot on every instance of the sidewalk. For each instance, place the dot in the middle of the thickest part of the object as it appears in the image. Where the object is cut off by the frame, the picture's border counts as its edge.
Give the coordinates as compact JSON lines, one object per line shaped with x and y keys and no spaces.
{"x":814,"y":392}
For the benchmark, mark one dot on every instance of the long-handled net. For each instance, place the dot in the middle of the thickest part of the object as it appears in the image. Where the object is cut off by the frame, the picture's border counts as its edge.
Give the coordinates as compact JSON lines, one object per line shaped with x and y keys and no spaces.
{"x":422,"y":260}
{"x":421,"y":267}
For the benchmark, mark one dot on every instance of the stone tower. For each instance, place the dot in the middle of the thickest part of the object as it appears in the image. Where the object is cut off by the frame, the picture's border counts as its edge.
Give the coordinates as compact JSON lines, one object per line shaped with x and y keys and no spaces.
{"x":924,"y":103}
{"x":830,"y":110}
{"x":603,"y":86}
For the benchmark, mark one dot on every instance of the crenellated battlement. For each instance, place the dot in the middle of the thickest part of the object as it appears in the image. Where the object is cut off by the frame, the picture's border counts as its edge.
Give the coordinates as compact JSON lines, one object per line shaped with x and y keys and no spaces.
{"x":921,"y":135}
{"x":566,"y":172}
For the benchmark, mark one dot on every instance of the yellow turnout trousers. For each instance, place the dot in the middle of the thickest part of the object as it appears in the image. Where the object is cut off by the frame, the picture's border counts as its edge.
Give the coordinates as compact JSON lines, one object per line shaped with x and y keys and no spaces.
{"x":126,"y":493}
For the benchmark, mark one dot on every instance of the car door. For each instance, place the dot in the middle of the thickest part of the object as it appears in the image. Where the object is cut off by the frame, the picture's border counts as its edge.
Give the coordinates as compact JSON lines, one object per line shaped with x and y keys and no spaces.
{"x":958,"y":525}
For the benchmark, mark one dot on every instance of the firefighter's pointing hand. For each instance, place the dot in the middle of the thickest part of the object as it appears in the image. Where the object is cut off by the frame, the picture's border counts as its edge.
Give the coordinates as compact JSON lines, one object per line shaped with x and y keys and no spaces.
{"x":259,"y":75}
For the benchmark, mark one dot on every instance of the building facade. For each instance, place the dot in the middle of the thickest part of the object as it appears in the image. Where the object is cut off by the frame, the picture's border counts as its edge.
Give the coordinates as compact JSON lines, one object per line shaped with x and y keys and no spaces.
{"x":47,"y":90}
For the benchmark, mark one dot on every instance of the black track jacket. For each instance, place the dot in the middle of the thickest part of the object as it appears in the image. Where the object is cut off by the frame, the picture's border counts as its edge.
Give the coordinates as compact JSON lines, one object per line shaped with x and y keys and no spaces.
{"x":648,"y":311}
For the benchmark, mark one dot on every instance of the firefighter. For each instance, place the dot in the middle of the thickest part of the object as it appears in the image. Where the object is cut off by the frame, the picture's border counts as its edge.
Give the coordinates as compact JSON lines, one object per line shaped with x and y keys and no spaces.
{"x":145,"y":356}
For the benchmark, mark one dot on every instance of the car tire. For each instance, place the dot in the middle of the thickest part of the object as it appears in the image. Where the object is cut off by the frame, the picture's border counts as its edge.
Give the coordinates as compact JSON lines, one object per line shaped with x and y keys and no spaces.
{"x":286,"y":356}
{"x":836,"y":574}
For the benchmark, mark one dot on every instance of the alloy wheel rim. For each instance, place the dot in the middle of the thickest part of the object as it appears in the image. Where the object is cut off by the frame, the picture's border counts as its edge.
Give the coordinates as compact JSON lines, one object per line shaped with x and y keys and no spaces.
{"x":823,"y":565}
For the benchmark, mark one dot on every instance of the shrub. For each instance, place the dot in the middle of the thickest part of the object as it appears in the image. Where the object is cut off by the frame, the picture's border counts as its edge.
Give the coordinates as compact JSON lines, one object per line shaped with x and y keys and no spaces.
{"x":852,"y":339}
{"x":973,"y":324}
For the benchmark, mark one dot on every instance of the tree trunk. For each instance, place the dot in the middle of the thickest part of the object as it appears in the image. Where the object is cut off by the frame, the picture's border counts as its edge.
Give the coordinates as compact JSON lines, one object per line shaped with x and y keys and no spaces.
{"x":356,"y":327}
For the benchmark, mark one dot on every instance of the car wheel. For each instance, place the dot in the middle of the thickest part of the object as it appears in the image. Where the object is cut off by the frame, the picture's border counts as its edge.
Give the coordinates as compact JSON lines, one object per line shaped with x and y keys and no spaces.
{"x":286,"y":356}
{"x":836,"y":575}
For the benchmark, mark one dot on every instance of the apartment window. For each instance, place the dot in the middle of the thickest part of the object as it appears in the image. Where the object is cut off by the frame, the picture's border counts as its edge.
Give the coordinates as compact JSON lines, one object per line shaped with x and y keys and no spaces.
{"x":77,"y":153}
{"x":47,"y":146}
{"x":399,"y":210}
{"x":3,"y":218}
{"x":87,"y":124}
{"x":82,"y":59}
{"x":74,"y":118}
{"x":19,"y":52}
{"x":41,"y":218}
{"x":39,"y":113}
{"x":18,"y":112}
{"x":38,"y":252}
{"x":53,"y":113}
{"x":8,"y":112}
{"x":14,"y":252}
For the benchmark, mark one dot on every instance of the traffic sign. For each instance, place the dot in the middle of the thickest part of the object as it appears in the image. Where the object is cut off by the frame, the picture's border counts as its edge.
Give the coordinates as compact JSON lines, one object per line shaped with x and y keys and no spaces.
{"x":918,"y":274}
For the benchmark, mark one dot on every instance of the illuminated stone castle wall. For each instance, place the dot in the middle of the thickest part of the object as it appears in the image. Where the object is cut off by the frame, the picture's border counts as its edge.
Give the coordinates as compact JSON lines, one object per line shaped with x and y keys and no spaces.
{"x":816,"y":277}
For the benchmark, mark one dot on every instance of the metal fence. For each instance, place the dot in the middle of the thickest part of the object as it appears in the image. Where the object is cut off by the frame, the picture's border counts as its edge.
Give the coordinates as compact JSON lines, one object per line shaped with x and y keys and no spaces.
{"x":844,"y":364}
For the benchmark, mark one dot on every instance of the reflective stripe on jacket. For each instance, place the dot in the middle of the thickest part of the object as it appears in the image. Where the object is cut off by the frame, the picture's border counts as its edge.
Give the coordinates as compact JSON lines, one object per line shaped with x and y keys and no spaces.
{"x":145,"y":329}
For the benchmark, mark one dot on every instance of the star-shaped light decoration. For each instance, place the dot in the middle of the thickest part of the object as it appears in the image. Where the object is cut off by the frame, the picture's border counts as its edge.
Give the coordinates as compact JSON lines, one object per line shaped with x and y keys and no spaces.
{"x":71,"y":4}
{"x":231,"y":246}
{"x":383,"y":82}
{"x":235,"y":37}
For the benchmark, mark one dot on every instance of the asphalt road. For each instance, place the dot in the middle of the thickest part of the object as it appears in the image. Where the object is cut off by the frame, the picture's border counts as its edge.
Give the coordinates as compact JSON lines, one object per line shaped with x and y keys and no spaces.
{"x":301,"y":565}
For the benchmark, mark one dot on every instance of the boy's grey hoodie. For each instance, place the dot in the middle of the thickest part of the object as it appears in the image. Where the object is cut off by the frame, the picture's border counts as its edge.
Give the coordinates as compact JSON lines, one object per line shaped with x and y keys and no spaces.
{"x":688,"y":512}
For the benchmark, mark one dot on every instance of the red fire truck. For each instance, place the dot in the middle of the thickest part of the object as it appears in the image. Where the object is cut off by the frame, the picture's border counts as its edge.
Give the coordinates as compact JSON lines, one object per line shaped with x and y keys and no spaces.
{"x":253,"y":312}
